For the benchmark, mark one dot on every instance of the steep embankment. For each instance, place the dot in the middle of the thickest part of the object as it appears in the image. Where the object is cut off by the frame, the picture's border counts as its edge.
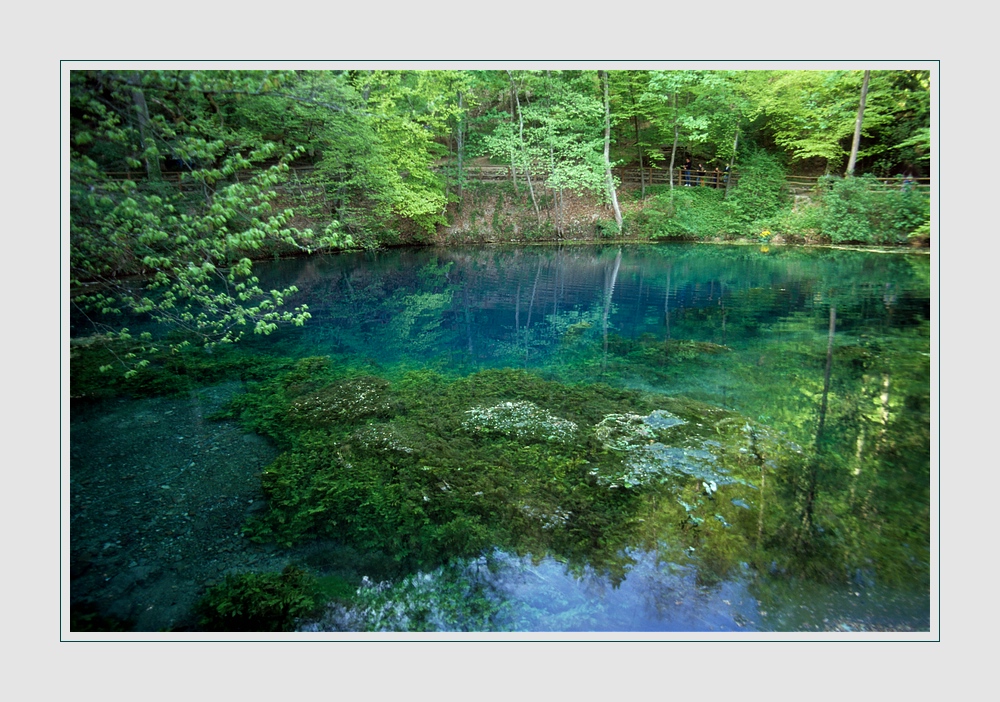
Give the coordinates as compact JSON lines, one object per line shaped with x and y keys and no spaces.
{"x":494,"y":212}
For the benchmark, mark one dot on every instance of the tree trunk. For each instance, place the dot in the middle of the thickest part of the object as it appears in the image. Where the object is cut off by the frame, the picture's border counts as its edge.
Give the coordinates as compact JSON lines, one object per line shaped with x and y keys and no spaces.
{"x":673,"y":156}
{"x":557,"y":195}
{"x":513,"y":172}
{"x":732,"y":161}
{"x":460,"y":145}
{"x":673,"y":149}
{"x":524,"y":151}
{"x":609,"y":179}
{"x":146,"y":134}
{"x":513,"y":166}
{"x":638,"y":148}
{"x":857,"y":126}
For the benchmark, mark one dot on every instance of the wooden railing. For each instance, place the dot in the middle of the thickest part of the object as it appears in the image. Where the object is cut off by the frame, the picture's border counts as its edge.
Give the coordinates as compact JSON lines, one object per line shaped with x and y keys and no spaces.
{"x":630,"y":176}
{"x":661,"y":176}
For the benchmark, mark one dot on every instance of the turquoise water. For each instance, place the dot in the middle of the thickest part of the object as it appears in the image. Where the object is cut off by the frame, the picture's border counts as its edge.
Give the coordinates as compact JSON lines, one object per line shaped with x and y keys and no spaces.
{"x":834,"y":525}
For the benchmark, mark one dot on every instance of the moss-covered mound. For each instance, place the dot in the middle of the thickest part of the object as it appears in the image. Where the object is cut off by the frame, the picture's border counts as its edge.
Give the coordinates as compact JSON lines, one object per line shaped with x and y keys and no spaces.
{"x":428,"y":468}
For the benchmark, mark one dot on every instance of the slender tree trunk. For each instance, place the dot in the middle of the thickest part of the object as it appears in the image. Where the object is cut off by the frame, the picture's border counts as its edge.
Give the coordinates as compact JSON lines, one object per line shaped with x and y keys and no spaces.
{"x":524,"y":151}
{"x":513,"y":172}
{"x":638,"y":148}
{"x":857,"y":125}
{"x":513,"y":166}
{"x":460,"y":145}
{"x":609,"y":179}
{"x":557,"y":195}
{"x":638,"y":139}
{"x":732,"y":161}
{"x":145,"y":133}
{"x":673,"y":149}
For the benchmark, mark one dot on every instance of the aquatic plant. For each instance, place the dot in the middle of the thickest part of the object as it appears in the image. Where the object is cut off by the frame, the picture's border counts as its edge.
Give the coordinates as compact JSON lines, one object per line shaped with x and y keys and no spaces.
{"x":429,"y":469}
{"x":258,"y":601}
{"x":454,"y":597}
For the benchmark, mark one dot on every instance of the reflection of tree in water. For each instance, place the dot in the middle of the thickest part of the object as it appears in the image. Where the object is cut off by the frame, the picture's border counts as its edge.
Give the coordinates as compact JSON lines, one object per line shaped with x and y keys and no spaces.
{"x":746,"y":326}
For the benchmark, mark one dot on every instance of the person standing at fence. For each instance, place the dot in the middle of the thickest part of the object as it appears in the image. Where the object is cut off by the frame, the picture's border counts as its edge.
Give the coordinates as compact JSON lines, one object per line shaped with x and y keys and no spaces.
{"x":687,"y":171}
{"x":701,"y":174}
{"x":717,"y":179}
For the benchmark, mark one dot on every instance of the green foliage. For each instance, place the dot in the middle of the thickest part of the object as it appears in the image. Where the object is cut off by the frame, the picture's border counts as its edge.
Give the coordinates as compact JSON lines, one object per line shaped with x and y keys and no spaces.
{"x":704,"y":212}
{"x":688,"y":213}
{"x":176,"y":373}
{"x":606,"y":228}
{"x":857,"y":210}
{"x":191,"y":238}
{"x":760,"y":192}
{"x":182,"y":178}
{"x":259,"y":601}
{"x":792,"y":223}
{"x":812,"y":114}
{"x":432,"y":469}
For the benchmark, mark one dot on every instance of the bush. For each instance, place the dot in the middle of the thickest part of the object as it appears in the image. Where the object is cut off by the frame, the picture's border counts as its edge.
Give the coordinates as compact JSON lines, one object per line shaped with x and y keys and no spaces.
{"x":705,"y":212}
{"x":692,"y":213}
{"x":858,"y":210}
{"x":806,"y":221}
{"x":759,"y":193}
{"x":606,"y":228}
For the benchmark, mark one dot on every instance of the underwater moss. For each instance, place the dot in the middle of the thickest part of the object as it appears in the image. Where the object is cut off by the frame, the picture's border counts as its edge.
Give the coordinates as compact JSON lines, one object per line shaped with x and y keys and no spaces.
{"x":428,"y":469}
{"x":259,"y":601}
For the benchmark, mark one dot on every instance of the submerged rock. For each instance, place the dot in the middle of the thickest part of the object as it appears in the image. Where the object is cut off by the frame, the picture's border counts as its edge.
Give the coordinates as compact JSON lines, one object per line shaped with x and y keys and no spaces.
{"x":344,"y":401}
{"x":662,"y":419}
{"x":643,"y":440}
{"x":381,"y":437}
{"x":519,"y":419}
{"x":624,"y":432}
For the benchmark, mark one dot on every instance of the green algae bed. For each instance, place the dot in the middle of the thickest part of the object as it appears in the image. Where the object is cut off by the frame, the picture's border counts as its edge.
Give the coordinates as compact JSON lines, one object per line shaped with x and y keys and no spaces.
{"x":669,"y":424}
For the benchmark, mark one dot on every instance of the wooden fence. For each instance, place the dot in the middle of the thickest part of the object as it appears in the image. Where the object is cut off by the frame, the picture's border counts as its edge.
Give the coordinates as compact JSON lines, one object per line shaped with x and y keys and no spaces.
{"x":711,"y":179}
{"x":629,"y":176}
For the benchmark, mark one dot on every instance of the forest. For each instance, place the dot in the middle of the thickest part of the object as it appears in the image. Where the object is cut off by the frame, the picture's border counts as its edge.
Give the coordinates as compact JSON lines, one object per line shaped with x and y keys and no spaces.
{"x":183,"y":178}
